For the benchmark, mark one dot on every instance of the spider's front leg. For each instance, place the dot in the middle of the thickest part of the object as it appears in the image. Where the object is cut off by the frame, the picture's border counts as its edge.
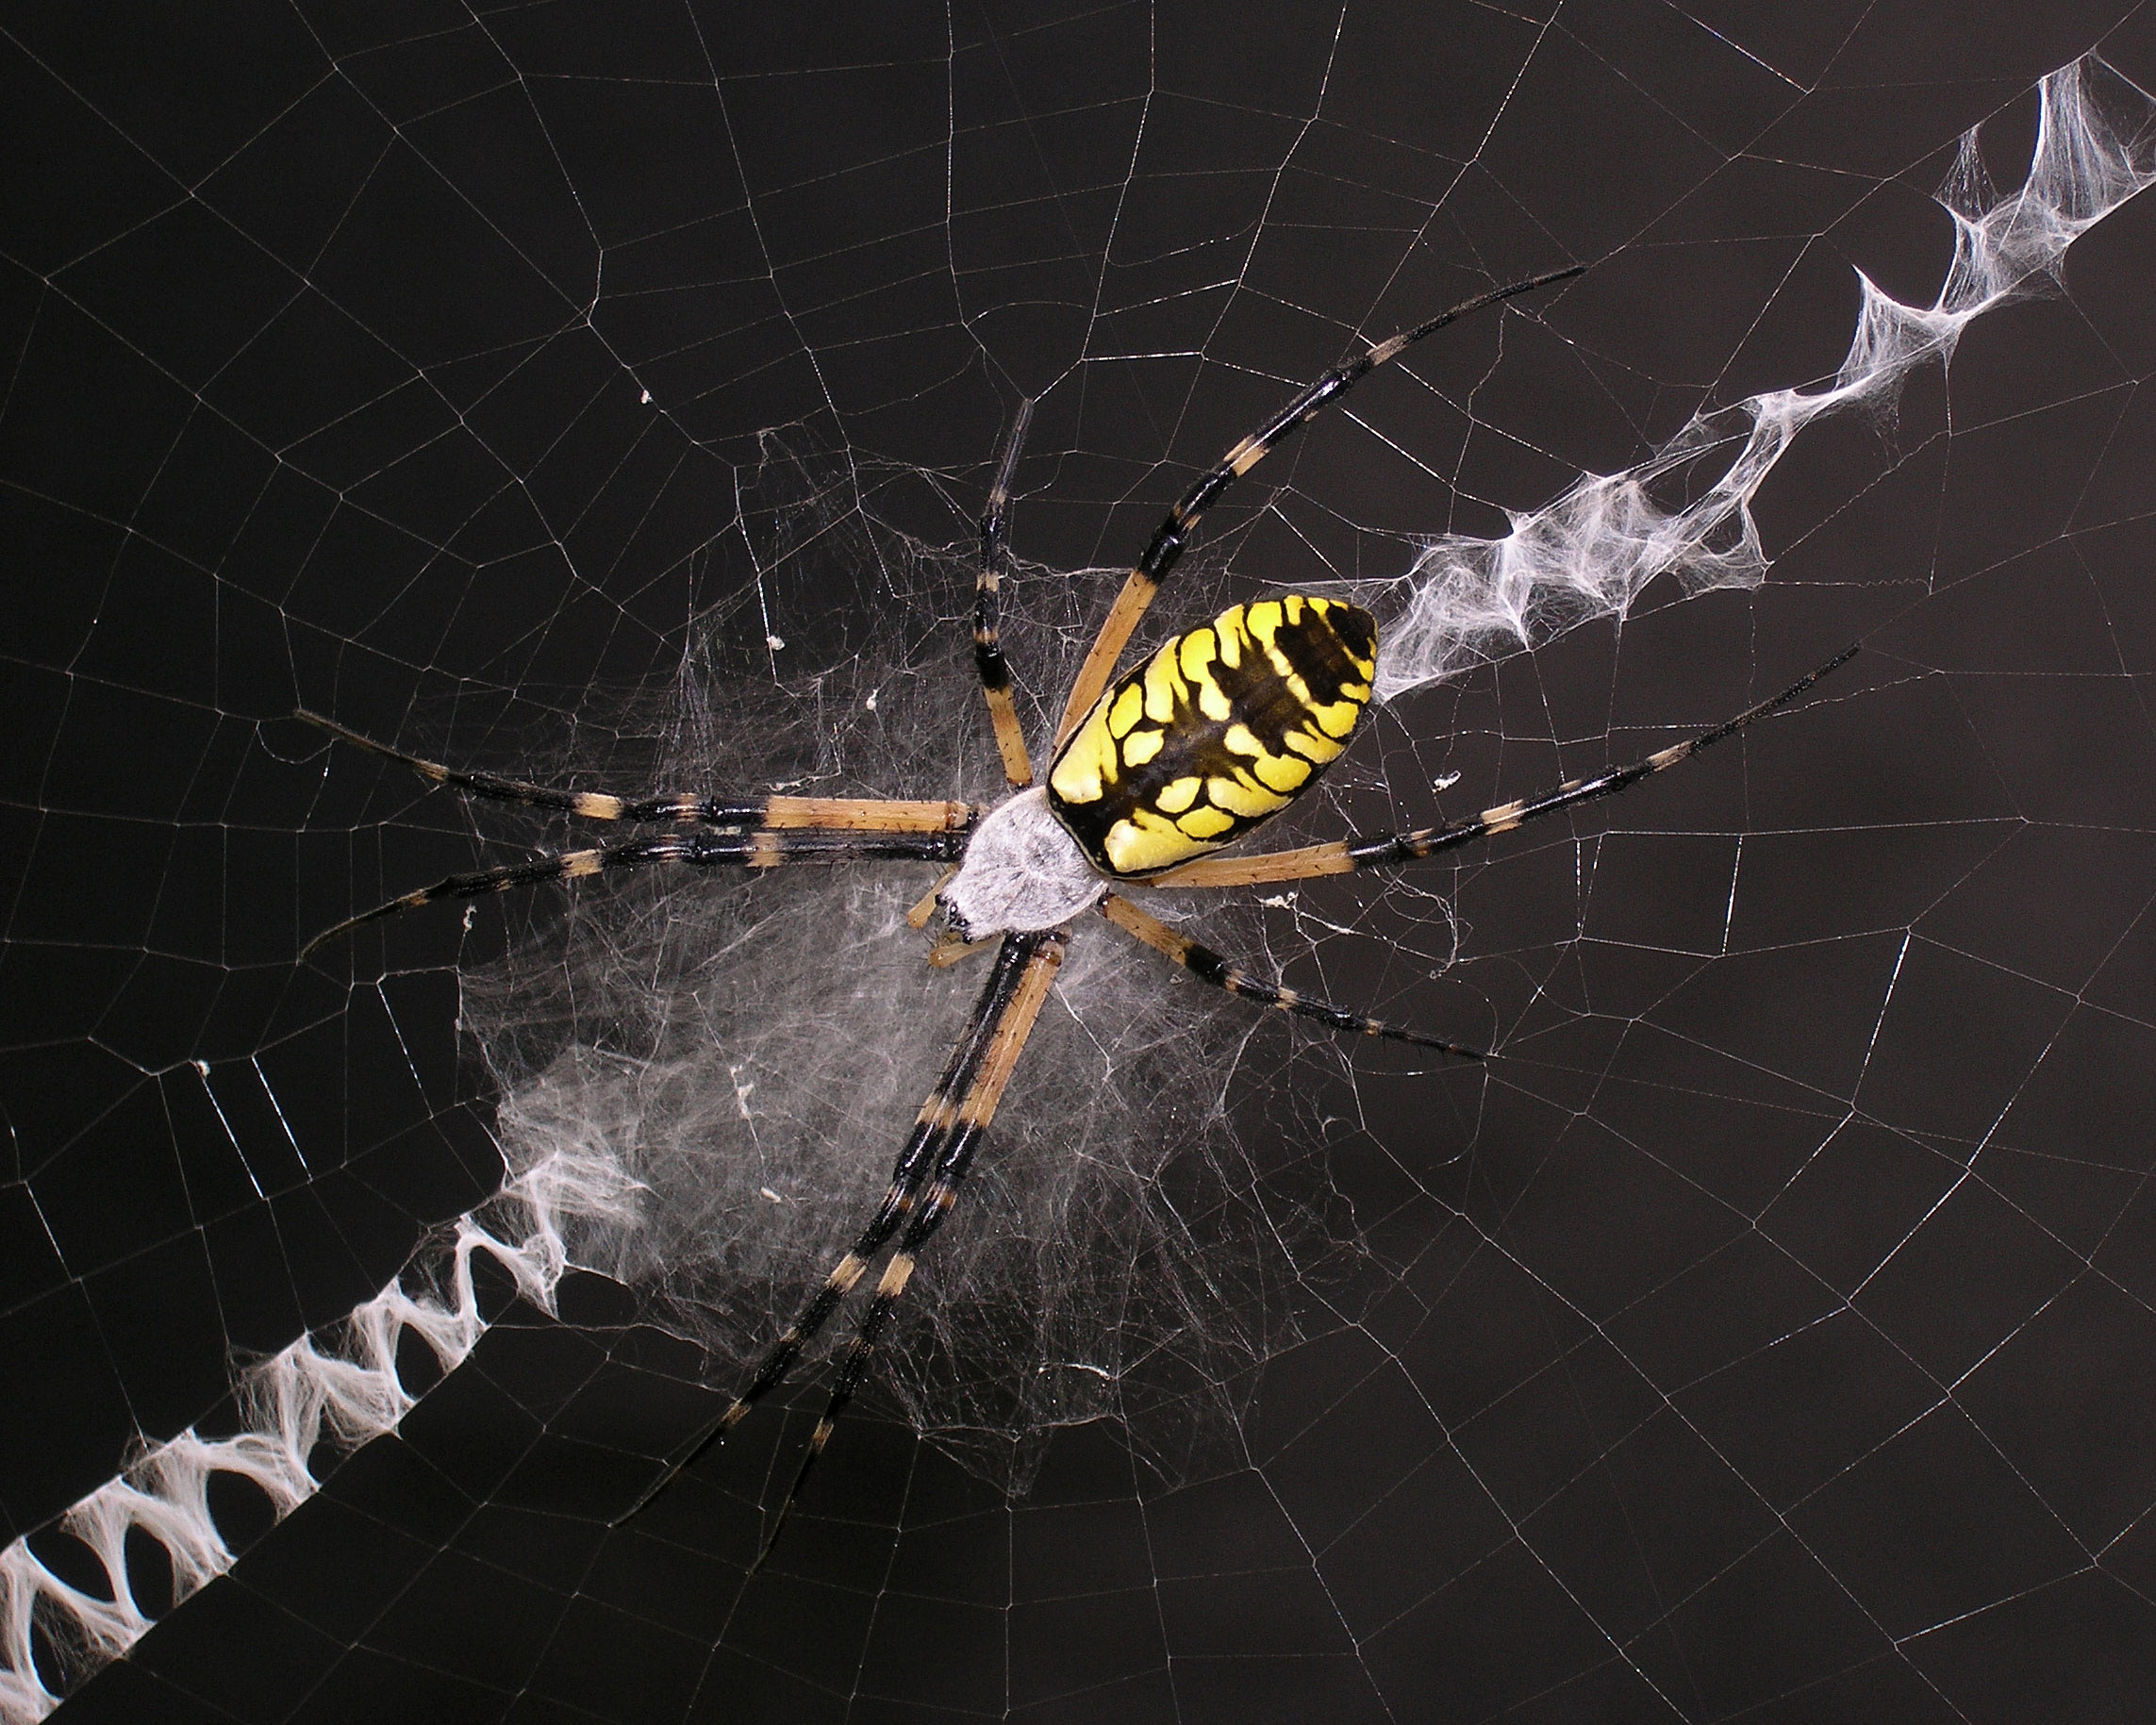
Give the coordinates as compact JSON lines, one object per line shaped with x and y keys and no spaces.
{"x":710,"y":831}
{"x":946,"y":1134}
{"x":1037,"y":956}
{"x":987,"y":626}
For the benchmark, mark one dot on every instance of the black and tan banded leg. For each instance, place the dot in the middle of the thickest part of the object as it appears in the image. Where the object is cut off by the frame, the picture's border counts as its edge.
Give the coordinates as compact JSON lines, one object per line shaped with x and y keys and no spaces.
{"x":1391,"y":850}
{"x":932,"y":1128}
{"x":1144,"y":582}
{"x":769,"y":848}
{"x":1038,"y":957}
{"x":1208,"y":966}
{"x":987,"y":623}
{"x":847,"y":814}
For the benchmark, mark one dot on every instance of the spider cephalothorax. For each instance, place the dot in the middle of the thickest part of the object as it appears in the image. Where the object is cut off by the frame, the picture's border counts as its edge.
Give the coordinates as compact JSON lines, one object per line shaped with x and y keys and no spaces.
{"x":1215,"y":733}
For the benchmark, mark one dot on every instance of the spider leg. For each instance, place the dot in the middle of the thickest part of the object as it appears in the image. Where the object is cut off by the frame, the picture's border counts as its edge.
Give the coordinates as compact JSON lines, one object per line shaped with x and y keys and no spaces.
{"x":853,"y":814}
{"x":763,"y":849}
{"x":1035,"y":957}
{"x":1161,"y":556}
{"x":1390,"y":850}
{"x":932,"y":1128}
{"x":987,"y":645}
{"x":1208,"y":966}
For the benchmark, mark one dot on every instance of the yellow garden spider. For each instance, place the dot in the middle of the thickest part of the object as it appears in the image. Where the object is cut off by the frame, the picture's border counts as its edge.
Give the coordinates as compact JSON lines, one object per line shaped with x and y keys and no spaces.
{"x":1217,"y":732}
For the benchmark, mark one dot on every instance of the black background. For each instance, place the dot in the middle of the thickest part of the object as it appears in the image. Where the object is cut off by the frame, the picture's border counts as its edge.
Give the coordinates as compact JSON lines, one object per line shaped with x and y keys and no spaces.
{"x":1779,"y":1345}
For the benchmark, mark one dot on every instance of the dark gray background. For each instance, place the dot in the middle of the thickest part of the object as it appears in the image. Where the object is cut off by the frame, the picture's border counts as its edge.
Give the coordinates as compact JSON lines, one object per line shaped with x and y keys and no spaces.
{"x":1775,"y":1343}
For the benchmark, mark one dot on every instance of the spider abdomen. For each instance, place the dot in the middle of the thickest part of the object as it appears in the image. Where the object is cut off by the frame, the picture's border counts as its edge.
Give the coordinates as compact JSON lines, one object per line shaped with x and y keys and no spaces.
{"x":1218,"y":730}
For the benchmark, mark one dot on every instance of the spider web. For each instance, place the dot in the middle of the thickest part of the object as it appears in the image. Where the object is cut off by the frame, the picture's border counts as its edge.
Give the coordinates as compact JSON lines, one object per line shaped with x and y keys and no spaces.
{"x":606,"y":396}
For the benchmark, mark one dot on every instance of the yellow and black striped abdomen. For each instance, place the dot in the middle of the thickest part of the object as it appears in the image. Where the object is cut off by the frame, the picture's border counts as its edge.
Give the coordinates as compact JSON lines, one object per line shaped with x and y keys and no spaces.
{"x":1220,"y":729}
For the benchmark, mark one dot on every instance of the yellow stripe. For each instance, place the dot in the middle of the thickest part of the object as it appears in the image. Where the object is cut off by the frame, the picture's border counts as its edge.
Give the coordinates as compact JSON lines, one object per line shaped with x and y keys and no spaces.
{"x":1281,"y":773}
{"x":1165,"y":688}
{"x":1174,"y":798}
{"x":1235,"y":636}
{"x":1194,"y":652}
{"x":1245,"y":800}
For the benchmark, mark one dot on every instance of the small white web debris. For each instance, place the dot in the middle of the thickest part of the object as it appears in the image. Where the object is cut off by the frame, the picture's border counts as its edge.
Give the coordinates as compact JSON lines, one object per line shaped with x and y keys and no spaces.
{"x":646,"y":399}
{"x":775,"y":642}
{"x":1445,"y":781}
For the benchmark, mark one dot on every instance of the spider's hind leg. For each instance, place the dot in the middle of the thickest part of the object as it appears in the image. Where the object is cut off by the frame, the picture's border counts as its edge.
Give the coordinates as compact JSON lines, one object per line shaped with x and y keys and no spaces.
{"x":1165,"y":548}
{"x":1208,"y":966}
{"x":1393,"y":850}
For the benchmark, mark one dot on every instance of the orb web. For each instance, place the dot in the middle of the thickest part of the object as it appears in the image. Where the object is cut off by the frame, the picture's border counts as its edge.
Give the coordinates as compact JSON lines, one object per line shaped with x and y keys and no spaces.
{"x":607,"y":400}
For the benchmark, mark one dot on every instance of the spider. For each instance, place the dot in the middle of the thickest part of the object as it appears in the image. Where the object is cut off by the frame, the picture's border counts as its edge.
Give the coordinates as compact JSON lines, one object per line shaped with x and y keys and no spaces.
{"x":1220,"y":729}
